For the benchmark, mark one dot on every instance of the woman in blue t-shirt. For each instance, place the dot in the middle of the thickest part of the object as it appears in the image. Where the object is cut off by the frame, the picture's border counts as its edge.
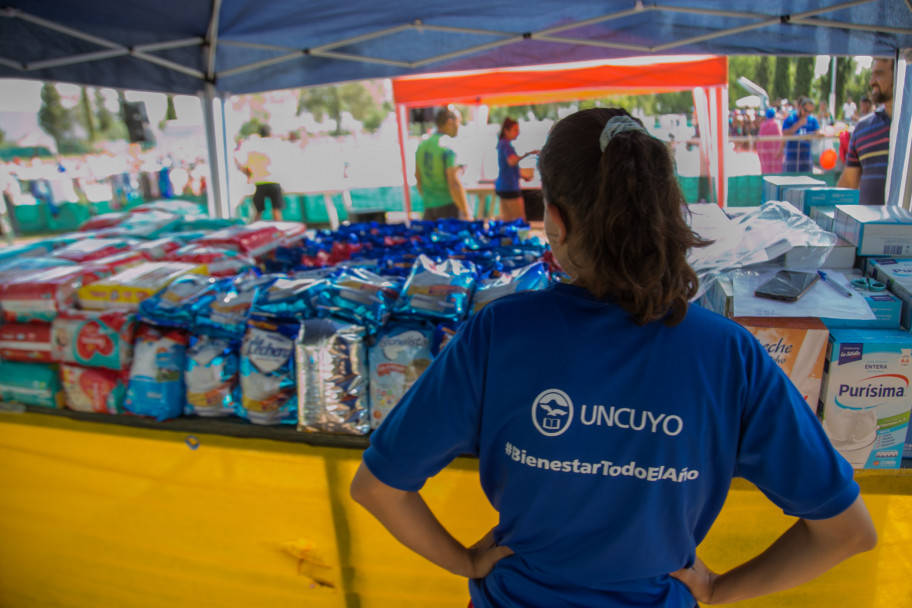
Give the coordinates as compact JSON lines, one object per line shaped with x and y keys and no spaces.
{"x":507,"y":184}
{"x":609,"y":416}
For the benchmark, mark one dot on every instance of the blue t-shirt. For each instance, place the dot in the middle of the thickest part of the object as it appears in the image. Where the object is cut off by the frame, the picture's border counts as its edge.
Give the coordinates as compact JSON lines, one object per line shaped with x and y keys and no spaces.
{"x":507,"y":176}
{"x":797,"y":157}
{"x":607,"y":448}
{"x":869,"y":149}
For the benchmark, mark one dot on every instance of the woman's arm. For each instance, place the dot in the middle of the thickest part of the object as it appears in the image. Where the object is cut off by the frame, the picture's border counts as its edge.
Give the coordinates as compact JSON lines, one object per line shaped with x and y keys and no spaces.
{"x":805,"y":551}
{"x":408,"y":518}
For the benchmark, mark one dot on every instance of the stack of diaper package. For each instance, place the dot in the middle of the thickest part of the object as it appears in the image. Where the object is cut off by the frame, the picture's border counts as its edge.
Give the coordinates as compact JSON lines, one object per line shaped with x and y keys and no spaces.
{"x":321,"y":330}
{"x":846,"y":343}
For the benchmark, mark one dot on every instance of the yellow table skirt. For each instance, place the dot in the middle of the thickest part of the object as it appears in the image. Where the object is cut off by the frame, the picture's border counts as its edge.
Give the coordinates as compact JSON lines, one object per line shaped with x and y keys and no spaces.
{"x":95,"y":515}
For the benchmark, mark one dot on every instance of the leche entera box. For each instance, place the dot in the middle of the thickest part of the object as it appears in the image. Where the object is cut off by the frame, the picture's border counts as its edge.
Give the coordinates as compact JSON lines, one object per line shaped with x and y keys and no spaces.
{"x":798,"y":345}
{"x":865,"y":395}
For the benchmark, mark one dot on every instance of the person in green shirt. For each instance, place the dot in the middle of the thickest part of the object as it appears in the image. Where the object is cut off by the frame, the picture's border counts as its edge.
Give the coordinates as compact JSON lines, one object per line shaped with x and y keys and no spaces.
{"x":437,"y":172}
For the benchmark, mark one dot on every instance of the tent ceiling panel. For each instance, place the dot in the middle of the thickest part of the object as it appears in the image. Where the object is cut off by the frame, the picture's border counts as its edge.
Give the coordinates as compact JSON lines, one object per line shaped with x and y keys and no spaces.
{"x":244,"y":46}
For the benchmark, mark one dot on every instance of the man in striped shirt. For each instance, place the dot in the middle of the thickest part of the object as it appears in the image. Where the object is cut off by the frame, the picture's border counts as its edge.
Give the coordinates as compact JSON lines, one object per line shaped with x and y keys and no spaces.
{"x":869,"y":148}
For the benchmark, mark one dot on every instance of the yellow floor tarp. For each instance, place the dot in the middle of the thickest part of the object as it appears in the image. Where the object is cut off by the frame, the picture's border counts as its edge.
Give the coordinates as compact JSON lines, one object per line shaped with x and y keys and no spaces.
{"x":95,"y":515}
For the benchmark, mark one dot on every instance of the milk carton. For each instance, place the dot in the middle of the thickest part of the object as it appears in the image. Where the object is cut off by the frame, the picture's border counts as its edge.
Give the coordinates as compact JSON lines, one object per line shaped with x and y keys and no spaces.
{"x":866,"y":397}
{"x":798,"y":345}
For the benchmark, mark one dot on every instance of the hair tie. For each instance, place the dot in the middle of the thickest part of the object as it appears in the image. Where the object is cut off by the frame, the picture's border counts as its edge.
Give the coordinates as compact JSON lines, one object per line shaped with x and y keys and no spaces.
{"x":618,"y":124}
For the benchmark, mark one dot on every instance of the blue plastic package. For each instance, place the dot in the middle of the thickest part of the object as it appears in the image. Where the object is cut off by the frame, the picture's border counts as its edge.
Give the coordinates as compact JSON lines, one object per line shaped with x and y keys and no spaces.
{"x":157,"y":375}
{"x":176,"y":304}
{"x":438,"y":290}
{"x":294,"y":296}
{"x":268,"y":380}
{"x":360,"y":296}
{"x":224,"y":311}
{"x":211,"y":376}
{"x":528,"y":278}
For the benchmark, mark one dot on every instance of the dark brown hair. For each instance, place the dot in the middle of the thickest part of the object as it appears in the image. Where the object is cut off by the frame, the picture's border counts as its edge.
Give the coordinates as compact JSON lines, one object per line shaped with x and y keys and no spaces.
{"x":508,"y":124}
{"x":625,"y":215}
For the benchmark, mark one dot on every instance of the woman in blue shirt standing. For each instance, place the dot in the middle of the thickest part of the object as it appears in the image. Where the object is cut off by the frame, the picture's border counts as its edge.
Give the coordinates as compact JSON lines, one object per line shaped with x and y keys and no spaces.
{"x":507,"y":185}
{"x":609,"y":416}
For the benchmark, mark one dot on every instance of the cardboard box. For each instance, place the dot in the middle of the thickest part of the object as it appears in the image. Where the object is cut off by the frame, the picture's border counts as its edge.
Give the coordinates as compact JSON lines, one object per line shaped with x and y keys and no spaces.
{"x":842,"y":255}
{"x":824,"y":216}
{"x":866,"y":397}
{"x":875,"y":230}
{"x":808,"y":198}
{"x":774,"y":186}
{"x":798,"y":345}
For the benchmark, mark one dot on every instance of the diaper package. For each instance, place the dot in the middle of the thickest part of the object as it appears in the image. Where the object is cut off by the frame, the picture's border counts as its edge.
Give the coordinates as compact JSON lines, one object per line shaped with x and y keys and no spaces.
{"x":268,"y":392}
{"x":332,"y":380}
{"x":95,"y":390}
{"x":865,"y":398}
{"x":27,"y":342}
{"x":31,"y":384}
{"x":156,"y":386}
{"x":438,"y":290}
{"x":216,"y":261}
{"x":41,"y":294}
{"x":94,"y":339}
{"x":125,"y":290}
{"x":86,"y":250}
{"x":211,"y":376}
{"x":254,"y":239}
{"x":400,"y":354}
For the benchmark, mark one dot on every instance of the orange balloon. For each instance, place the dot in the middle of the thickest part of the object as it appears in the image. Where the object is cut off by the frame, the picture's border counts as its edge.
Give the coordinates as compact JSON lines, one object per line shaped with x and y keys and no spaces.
{"x":828,"y":159}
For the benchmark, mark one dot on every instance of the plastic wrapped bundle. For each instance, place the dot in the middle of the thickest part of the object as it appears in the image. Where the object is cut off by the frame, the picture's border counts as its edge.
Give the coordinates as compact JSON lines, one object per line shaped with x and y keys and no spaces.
{"x":177,"y":303}
{"x":157,"y":376}
{"x":87,"y":389}
{"x":94,"y":339}
{"x":359,"y":296}
{"x":528,"y":278}
{"x":399,"y":356}
{"x":332,"y":378}
{"x":292,"y":297}
{"x":229,"y":306}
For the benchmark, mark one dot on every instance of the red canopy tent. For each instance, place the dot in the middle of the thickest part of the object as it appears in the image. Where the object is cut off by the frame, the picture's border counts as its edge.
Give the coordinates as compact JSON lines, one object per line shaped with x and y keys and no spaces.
{"x":706,"y":76}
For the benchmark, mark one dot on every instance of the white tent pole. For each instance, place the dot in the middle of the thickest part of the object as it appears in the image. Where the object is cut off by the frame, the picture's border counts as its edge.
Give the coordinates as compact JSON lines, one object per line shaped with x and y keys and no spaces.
{"x":217,"y":192}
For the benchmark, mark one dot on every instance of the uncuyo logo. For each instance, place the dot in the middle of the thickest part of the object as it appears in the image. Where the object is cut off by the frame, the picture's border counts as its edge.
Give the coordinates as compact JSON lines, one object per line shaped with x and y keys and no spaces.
{"x":552,"y":412}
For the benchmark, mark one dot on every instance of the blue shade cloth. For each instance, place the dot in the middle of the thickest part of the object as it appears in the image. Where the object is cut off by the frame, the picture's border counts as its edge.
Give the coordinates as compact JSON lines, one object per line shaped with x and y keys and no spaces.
{"x":262,"y":45}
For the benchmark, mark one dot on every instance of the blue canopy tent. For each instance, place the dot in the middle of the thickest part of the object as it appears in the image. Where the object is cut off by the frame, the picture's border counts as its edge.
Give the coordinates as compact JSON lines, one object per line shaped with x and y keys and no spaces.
{"x":218,"y":47}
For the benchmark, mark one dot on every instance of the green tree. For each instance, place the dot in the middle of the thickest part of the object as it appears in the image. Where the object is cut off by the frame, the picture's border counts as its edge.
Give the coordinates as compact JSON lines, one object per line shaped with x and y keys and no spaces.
{"x":764,"y":73}
{"x":333,"y":100}
{"x":103,"y":114}
{"x":782,"y":78}
{"x":170,"y":111}
{"x":53,"y":118}
{"x":2,"y":137}
{"x":85,"y":115}
{"x":804,"y":76}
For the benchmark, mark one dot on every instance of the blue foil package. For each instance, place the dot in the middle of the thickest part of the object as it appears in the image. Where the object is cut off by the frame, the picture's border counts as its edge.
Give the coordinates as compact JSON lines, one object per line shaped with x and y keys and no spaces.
{"x":156,"y":386}
{"x":438,"y":290}
{"x":176,"y":304}
{"x":294,"y":296}
{"x":211,"y":376}
{"x":360,"y":296}
{"x":332,"y":377}
{"x":528,"y":278}
{"x":268,"y":382}
{"x":228,"y":307}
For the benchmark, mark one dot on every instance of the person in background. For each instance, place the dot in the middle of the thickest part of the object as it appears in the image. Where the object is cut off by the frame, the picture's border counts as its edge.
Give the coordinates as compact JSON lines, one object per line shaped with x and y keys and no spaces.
{"x":824,"y":116}
{"x":437,"y":173}
{"x":507,"y":186}
{"x":257,"y":159}
{"x":849,"y":109}
{"x":770,"y":151}
{"x":605,"y":480}
{"x":800,"y":122}
{"x":867,"y":159}
{"x":865,"y":107}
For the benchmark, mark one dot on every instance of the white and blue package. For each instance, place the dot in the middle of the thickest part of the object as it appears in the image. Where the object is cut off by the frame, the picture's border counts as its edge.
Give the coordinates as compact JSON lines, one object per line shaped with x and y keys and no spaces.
{"x":211,"y":376}
{"x":528,"y":278}
{"x":438,"y":290}
{"x":268,"y":384}
{"x":176,"y":304}
{"x":292,"y":297}
{"x":360,"y":296}
{"x":332,"y":377}
{"x":399,"y":355}
{"x":157,"y":376}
